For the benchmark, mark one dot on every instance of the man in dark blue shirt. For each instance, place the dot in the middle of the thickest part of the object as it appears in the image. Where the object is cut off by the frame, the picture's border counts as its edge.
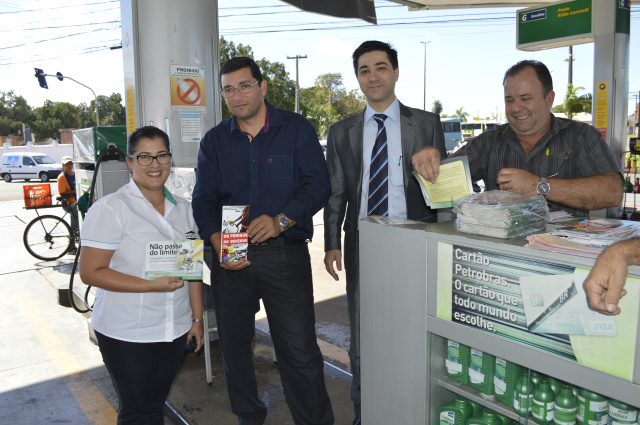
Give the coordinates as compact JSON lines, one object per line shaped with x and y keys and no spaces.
{"x":271,"y":160}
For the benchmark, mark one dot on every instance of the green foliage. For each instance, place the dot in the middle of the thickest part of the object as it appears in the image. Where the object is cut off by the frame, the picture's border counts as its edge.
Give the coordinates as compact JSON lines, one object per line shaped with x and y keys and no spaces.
{"x":14,"y":111}
{"x":437,"y":107}
{"x":53,"y":116}
{"x":328,"y":102}
{"x":281,"y":90}
{"x":573,"y":103}
{"x":47,"y":120}
{"x":110,"y":111}
{"x":460,"y":113}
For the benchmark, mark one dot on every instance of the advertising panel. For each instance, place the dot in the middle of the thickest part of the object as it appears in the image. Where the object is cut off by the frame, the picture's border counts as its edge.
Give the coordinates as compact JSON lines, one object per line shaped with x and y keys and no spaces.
{"x":536,"y":303}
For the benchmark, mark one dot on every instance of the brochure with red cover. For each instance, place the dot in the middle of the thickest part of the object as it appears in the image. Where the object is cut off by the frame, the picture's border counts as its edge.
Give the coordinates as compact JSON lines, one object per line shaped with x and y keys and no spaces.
{"x":235,"y":239}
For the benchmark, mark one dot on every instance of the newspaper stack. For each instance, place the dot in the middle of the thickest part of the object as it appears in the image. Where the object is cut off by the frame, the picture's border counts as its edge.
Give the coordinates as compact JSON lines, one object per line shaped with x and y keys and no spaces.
{"x":501,"y":214}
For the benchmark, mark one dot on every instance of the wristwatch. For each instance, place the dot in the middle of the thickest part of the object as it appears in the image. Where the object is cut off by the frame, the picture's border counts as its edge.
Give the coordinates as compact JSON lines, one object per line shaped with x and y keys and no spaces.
{"x":197,"y":320}
{"x":284,"y":221}
{"x":543,"y":187}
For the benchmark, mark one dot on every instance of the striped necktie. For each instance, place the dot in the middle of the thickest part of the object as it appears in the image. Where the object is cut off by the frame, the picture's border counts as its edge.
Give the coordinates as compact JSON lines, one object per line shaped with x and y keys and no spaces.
{"x":378,"y":172}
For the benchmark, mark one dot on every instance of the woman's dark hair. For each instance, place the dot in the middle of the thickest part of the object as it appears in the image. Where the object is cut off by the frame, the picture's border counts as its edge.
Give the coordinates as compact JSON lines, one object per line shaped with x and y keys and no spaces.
{"x":146,"y":132}
{"x":241,"y":62}
{"x":544,"y":76}
{"x":375,"y":46}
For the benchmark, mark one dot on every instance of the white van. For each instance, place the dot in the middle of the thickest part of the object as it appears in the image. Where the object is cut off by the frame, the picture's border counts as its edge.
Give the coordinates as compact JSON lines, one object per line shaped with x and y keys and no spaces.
{"x":28,"y":165}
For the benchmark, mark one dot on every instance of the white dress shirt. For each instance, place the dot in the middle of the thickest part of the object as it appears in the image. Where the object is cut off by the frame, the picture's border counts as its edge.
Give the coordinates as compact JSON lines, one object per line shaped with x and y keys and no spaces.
{"x":124,"y":222}
{"x":397,"y":199}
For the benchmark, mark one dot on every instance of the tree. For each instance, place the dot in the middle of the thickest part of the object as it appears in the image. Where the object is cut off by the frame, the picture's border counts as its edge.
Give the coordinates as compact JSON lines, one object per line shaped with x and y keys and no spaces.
{"x":110,"y":111}
{"x":460,"y":113}
{"x":53,"y":116}
{"x":328,"y":102}
{"x":574,"y":104}
{"x":14,"y":112}
{"x":437,"y":107}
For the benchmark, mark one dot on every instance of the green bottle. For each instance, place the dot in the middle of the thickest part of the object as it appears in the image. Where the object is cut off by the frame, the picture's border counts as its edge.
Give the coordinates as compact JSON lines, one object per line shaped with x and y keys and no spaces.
{"x":504,"y":420}
{"x":621,"y":413}
{"x":506,"y":375}
{"x":555,"y":385}
{"x":457,"y":362}
{"x":488,"y":418}
{"x":593,"y":409}
{"x":456,"y":412}
{"x":628,"y":186}
{"x":536,"y":378}
{"x":566,"y":407}
{"x":476,"y":408}
{"x":523,"y":396}
{"x":481,"y":371}
{"x":543,"y":402}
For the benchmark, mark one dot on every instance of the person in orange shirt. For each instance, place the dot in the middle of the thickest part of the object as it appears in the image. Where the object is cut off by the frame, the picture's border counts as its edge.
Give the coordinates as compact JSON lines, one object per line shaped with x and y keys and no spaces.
{"x":67,"y":189}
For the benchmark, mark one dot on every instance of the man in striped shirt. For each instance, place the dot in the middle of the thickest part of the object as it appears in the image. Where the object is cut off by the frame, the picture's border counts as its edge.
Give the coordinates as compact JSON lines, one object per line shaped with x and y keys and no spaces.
{"x":536,"y":153}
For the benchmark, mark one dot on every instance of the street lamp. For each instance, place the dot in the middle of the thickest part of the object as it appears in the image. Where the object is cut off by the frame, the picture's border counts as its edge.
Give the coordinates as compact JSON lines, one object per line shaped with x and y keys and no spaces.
{"x":424,"y":101}
{"x":43,"y":83}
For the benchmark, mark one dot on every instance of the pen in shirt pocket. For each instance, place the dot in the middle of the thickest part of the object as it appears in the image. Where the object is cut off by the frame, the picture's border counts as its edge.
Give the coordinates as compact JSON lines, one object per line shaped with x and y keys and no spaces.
{"x":400,"y":160}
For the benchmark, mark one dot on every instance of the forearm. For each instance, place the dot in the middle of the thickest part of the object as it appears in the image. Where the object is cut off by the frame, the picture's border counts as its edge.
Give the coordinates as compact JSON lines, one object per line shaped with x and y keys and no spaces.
{"x":107,"y":278}
{"x":629,"y":250}
{"x":196,"y":299}
{"x":587,"y":193}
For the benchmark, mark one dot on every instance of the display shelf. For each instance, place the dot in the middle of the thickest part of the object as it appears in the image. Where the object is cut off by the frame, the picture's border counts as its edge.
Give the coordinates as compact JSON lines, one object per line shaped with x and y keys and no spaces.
{"x":555,"y":366}
{"x":403,"y":333}
{"x":473,"y":395}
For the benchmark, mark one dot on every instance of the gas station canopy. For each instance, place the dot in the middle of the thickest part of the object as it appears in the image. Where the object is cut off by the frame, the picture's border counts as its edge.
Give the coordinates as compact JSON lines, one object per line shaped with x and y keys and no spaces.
{"x":463,"y":4}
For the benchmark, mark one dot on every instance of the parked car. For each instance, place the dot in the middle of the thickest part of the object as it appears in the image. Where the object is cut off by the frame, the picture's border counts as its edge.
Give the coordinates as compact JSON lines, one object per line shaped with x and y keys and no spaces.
{"x":27,"y":166}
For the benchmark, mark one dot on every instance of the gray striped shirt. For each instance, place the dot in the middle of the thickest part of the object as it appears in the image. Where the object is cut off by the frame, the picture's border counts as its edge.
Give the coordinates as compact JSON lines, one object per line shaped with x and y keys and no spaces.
{"x":590,"y":155}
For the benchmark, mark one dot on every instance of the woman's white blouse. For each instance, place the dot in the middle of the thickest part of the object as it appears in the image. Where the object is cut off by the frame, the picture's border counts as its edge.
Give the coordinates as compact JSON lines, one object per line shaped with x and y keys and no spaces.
{"x":124,"y":222}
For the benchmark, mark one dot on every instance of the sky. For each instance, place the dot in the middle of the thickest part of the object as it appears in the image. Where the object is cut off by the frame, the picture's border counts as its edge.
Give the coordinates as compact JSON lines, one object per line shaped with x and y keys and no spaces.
{"x":467,"y":50}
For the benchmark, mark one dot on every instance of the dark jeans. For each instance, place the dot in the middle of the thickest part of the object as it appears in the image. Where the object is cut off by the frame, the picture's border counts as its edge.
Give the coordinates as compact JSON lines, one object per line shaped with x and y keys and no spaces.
{"x":73,"y":213}
{"x":143,"y":374}
{"x":280,"y":274}
{"x":353,"y":303}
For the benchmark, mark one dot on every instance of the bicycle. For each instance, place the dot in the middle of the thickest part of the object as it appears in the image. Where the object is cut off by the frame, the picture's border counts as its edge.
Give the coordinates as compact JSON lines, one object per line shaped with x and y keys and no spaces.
{"x":49,"y":237}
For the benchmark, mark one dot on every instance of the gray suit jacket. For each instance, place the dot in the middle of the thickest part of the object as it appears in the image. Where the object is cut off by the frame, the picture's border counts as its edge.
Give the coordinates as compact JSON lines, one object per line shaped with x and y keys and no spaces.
{"x":344,"y":160}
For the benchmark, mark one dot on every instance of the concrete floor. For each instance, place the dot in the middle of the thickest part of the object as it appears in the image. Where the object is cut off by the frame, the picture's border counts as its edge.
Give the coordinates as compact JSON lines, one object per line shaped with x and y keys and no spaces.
{"x":51,"y":373}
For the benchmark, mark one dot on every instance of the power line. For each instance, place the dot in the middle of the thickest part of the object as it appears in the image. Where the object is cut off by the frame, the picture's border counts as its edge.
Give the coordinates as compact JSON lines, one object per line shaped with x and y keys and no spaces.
{"x":59,"y":7}
{"x":61,"y":26}
{"x":57,"y":38}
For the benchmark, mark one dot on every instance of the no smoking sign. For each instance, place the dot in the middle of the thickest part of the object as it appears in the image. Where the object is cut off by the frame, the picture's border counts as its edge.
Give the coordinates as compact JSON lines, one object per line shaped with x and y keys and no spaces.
{"x":187,"y":88}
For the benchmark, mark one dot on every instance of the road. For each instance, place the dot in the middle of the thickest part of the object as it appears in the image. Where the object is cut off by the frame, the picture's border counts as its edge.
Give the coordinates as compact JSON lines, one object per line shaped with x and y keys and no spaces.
{"x":13,"y":191}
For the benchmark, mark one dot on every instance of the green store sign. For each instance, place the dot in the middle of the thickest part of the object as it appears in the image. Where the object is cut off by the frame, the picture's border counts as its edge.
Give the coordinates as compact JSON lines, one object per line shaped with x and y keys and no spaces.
{"x":563,"y":24}
{"x":560,"y":24}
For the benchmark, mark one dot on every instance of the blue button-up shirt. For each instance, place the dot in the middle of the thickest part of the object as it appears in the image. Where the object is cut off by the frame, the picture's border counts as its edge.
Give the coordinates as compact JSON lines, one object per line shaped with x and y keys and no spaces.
{"x":281,"y":170}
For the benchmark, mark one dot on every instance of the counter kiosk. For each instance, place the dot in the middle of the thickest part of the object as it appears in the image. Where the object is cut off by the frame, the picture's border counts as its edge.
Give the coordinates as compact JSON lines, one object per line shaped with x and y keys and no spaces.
{"x":425,"y":284}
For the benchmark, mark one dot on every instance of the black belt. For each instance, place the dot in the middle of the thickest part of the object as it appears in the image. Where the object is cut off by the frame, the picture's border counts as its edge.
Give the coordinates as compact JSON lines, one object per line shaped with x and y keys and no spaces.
{"x":279,"y":240}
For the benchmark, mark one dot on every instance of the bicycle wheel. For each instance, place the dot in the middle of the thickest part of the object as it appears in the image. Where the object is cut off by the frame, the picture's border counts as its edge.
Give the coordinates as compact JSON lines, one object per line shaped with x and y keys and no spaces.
{"x":47,"y":237}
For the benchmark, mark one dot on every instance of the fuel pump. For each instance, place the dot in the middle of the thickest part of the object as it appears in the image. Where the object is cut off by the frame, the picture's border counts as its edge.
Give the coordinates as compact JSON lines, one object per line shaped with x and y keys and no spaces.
{"x":99,"y":155}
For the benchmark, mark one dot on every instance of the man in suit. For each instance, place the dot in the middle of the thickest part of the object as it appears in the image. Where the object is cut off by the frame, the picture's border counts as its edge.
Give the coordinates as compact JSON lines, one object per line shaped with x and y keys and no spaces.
{"x":389,"y":133}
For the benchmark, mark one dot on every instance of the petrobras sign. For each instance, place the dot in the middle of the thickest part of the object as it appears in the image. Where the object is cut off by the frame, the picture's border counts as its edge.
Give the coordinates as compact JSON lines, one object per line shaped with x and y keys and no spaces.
{"x":564,"y":23}
{"x":534,"y":15}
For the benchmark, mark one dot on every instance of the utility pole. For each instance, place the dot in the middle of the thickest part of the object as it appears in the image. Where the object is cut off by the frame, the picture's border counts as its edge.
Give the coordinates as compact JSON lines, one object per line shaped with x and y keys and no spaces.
{"x":297,"y":57}
{"x":570,"y":59}
{"x":424,"y":101}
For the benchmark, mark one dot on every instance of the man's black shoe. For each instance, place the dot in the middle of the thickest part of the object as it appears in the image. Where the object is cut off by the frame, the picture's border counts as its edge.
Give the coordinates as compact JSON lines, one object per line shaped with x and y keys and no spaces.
{"x":356,"y":421}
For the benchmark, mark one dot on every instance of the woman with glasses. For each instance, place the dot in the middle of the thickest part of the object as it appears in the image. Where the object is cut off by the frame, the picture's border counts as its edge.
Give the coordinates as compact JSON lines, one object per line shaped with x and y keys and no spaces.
{"x":142,"y":326}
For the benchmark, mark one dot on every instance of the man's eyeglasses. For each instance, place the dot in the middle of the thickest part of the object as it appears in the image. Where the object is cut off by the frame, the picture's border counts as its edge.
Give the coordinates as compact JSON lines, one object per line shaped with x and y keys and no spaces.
{"x":242,"y":89}
{"x":145,"y":160}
